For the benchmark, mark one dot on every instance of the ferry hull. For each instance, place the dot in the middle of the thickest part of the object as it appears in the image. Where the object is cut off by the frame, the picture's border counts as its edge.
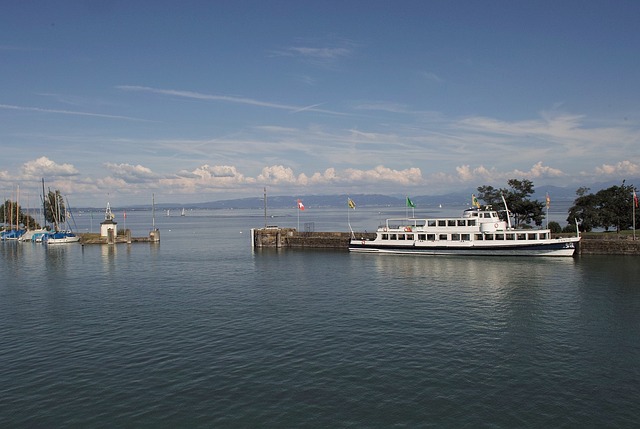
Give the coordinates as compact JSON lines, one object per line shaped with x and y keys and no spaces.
{"x":565,"y":248}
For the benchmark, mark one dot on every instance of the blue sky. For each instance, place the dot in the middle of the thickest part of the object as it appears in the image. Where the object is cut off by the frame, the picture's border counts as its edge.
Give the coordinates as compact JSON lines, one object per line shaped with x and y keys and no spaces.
{"x":205,"y":100}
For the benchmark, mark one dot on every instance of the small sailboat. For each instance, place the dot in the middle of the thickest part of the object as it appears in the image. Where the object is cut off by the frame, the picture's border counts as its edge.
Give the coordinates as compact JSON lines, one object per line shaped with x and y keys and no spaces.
{"x":60,"y":236}
{"x":183,"y":213}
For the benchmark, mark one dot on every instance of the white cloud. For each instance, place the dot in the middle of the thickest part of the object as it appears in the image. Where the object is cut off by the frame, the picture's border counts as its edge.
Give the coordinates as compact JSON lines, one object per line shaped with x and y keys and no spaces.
{"x":409,"y":176}
{"x":620,"y":169}
{"x":131,"y":173}
{"x":207,"y":172}
{"x":277,"y":174}
{"x":467,"y":174}
{"x":539,"y":171}
{"x":44,"y":167}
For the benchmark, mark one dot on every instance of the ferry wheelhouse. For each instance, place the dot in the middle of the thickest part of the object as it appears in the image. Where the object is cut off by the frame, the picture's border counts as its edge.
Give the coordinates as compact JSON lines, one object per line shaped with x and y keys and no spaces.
{"x":477,"y":232}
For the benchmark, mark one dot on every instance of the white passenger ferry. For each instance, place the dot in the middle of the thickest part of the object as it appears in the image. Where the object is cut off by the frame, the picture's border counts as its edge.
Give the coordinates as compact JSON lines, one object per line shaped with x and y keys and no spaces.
{"x":477,"y":232}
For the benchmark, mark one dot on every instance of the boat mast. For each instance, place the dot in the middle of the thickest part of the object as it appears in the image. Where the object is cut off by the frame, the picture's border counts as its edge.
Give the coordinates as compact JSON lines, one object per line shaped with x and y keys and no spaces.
{"x":18,"y":208}
{"x":153,"y":211}
{"x":265,"y":207}
{"x":44,"y":206}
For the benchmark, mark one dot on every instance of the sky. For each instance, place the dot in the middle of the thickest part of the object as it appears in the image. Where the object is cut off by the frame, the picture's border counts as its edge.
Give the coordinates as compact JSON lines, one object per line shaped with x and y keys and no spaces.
{"x":194,"y":101}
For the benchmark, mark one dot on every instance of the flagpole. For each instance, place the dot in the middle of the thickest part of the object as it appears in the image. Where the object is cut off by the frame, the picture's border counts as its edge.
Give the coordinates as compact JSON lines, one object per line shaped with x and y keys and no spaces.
{"x":547,"y":217}
{"x":633,"y":209}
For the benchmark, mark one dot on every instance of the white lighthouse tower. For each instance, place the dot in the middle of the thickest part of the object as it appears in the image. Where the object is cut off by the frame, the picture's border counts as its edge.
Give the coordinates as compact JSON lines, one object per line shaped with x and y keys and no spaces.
{"x":109,"y":224}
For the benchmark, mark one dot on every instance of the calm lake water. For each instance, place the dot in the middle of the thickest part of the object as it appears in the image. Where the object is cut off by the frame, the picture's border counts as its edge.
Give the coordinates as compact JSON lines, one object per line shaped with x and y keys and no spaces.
{"x":202,"y":331}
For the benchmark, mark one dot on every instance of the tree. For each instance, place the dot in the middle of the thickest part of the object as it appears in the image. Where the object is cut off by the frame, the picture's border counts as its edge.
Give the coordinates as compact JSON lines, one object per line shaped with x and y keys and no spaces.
{"x":585,"y":210}
{"x":11,"y":211}
{"x":55,"y":211}
{"x":608,"y":208}
{"x":555,"y":227}
{"x":8,"y":212}
{"x":523,"y":210}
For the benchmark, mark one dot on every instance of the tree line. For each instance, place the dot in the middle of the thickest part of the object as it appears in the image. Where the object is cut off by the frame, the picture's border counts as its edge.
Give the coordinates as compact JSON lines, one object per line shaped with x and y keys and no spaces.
{"x":55,"y":212}
{"x":609,"y":209}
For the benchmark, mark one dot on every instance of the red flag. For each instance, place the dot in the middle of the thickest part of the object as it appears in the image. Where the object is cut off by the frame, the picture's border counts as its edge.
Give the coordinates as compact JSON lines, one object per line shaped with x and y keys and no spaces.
{"x":635,"y":198}
{"x":300,"y":205}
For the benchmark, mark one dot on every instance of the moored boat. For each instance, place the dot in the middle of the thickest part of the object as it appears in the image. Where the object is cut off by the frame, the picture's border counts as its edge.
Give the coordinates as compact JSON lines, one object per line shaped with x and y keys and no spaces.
{"x":31,"y":233}
{"x":60,"y":237}
{"x":477,"y":232}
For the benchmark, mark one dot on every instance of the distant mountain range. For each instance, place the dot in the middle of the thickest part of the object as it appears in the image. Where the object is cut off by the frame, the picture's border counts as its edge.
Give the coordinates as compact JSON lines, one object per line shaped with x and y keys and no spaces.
{"x":563,"y":195}
{"x":361,"y":200}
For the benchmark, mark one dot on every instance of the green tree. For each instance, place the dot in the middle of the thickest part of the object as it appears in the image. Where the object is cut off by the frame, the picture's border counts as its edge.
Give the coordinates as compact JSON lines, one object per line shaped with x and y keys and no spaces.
{"x":8,"y":212}
{"x":55,"y":211}
{"x":521,"y":207}
{"x":608,"y":208}
{"x":584,"y":211}
{"x":555,"y":227}
{"x":11,"y":211}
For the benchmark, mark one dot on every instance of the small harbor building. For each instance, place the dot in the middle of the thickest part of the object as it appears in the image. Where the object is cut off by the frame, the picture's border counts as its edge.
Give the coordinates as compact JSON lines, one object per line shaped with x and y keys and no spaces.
{"x":109,"y":227}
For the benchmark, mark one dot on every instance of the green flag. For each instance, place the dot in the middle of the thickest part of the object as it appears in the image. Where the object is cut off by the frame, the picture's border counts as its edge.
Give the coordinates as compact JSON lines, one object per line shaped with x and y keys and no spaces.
{"x":410,"y":203}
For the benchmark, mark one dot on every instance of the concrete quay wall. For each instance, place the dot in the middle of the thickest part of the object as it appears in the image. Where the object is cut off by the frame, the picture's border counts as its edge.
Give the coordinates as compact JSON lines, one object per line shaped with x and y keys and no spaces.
{"x":291,"y":238}
{"x":609,"y":246}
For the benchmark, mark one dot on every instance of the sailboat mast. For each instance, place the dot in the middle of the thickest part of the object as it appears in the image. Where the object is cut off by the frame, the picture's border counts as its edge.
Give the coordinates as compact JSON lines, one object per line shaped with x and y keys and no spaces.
{"x":17,"y":208}
{"x":153,"y":211}
{"x":44,"y":205}
{"x":265,"y":207}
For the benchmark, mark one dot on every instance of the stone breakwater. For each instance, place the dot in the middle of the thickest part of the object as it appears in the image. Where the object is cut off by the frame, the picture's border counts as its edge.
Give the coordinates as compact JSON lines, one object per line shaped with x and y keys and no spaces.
{"x":290,"y":238}
{"x":595,"y":245}
{"x":125,"y":237}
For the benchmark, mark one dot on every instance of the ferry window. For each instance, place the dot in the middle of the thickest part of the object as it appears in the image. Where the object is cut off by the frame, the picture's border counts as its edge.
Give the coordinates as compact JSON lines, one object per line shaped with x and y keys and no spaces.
{"x":442,"y":223}
{"x":442,"y":237}
{"x":532,"y":236}
{"x":511,"y":236}
{"x":392,"y":237}
{"x":460,"y":222}
{"x":385,"y":236}
{"x":466,"y":237}
{"x":409,"y":236}
{"x":471,"y":222}
{"x":431,"y":223}
{"x":522,"y":236}
{"x":499,"y":236}
{"x":400,"y":236}
{"x":478,"y":237}
{"x":422,"y":237}
{"x":488,"y":237}
{"x":474,"y":214}
{"x":455,"y":237}
{"x":543,"y":236}
{"x":487,"y":215}
{"x":431,"y":237}
{"x":451,"y":222}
